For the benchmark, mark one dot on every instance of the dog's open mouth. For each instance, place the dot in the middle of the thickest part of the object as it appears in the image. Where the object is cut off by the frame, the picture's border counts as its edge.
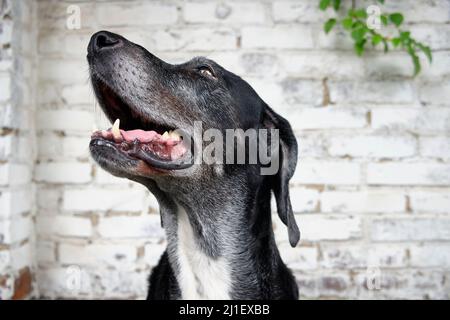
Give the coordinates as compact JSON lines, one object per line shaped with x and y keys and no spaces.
{"x":156,"y":145}
{"x":167,"y":146}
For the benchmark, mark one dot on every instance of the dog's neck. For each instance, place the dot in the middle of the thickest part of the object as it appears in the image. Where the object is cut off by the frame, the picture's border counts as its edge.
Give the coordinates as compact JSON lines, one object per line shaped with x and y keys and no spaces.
{"x":221,"y":244}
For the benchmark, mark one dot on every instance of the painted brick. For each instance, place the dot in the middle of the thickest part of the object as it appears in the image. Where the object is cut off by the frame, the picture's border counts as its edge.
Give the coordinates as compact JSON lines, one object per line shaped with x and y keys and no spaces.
{"x":430,"y":256}
{"x":434,"y":11}
{"x":378,"y":65}
{"x":231,"y":12}
{"x":368,"y":146}
{"x":364,"y":201}
{"x":131,"y":227}
{"x":63,"y":172}
{"x":413,"y":119}
{"x":53,"y":147}
{"x":300,"y":258}
{"x":15,"y":230}
{"x":45,"y":252}
{"x":69,"y":282}
{"x":98,"y":199}
{"x":363,"y":256}
{"x":121,"y":14}
{"x":312,"y":144}
{"x":65,"y":120}
{"x":16,"y":202}
{"x":119,"y":283}
{"x":15,"y":174}
{"x":321,"y":227}
{"x":410,"y":229}
{"x":430,"y":201}
{"x":65,"y":226}
{"x":5,"y":84}
{"x":56,"y":70}
{"x":297,"y":11}
{"x":320,"y":64}
{"x":435,"y":147}
{"x":303,"y":200}
{"x":53,"y":15}
{"x":371,"y":91}
{"x":278,"y":37}
{"x":95,"y":254}
{"x":203,"y":39}
{"x":435,"y":93}
{"x":5,"y":259}
{"x":22,"y":256}
{"x":78,"y":94}
{"x":412,"y":284}
{"x":298,"y":91}
{"x":328,"y":172}
{"x":426,"y":174}
{"x":48,"y":199}
{"x":5,"y":147}
{"x":436,"y":36}
{"x":327,"y":118}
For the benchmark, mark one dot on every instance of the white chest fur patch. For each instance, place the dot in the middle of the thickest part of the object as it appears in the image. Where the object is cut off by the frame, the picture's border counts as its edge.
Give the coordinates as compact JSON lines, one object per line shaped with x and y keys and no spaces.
{"x":200,"y":276}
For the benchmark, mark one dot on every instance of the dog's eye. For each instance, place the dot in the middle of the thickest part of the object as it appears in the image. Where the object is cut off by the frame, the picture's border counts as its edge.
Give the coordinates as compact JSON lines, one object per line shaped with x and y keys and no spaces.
{"x":206,"y":71}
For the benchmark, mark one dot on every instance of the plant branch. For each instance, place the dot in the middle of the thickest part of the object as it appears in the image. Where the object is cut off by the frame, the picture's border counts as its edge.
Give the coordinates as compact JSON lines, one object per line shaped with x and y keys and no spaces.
{"x":362,"y":25}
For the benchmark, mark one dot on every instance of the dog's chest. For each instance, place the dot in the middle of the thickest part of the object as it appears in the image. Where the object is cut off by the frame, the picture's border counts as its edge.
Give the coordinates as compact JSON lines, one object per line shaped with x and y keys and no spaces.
{"x":199,"y":276}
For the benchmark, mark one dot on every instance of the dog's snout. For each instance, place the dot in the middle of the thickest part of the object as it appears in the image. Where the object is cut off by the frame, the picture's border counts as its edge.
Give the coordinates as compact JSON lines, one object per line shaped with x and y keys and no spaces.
{"x":104,"y":40}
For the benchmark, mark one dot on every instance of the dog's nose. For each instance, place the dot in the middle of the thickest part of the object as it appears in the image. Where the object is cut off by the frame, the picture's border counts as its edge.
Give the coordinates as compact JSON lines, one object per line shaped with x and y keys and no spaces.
{"x":104,"y":40}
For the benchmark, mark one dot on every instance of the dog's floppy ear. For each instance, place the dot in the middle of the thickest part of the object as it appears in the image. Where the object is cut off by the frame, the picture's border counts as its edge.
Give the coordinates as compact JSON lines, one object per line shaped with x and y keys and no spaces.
{"x":287,"y":163}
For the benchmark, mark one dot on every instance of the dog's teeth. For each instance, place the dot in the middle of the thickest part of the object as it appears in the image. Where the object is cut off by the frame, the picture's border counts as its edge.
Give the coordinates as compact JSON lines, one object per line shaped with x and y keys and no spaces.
{"x":104,"y":133}
{"x":165,"y":135}
{"x":115,"y":130}
{"x":174,"y":136}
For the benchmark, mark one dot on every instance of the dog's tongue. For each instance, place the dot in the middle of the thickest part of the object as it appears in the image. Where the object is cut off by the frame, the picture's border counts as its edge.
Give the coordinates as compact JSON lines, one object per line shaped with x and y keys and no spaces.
{"x":141,"y":135}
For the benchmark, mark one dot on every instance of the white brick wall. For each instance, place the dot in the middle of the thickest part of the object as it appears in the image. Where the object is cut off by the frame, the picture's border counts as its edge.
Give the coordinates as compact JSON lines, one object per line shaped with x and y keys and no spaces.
{"x":373,"y":180}
{"x":17,"y":149}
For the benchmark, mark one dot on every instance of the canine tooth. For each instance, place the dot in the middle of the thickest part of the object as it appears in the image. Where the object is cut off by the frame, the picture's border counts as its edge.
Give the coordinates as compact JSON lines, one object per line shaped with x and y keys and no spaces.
{"x":175,"y":136}
{"x":165,"y":135}
{"x":115,"y":130}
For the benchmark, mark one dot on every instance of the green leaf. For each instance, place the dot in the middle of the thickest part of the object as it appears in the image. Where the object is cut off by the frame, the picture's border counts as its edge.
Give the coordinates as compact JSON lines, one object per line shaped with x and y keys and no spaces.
{"x":396,"y":42}
{"x":416,"y":62}
{"x":347,"y":23}
{"x":358,"y":34}
{"x":405,"y":36}
{"x":376,"y":39}
{"x":358,"y":24}
{"x":426,"y":50}
{"x":415,"y":59}
{"x":396,"y":18}
{"x":329,"y":25}
{"x":336,"y":4}
{"x":323,"y":5}
{"x":384,"y":19}
{"x":360,"y":13}
{"x":381,"y":1}
{"x":359,"y":47}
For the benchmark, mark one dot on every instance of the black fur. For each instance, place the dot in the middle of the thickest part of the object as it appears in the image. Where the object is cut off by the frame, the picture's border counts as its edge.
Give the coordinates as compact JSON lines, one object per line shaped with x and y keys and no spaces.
{"x":228,"y":205}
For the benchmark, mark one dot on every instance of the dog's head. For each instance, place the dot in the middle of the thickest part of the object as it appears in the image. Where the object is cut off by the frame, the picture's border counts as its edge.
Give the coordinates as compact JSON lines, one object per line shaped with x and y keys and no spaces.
{"x":158,"y":105}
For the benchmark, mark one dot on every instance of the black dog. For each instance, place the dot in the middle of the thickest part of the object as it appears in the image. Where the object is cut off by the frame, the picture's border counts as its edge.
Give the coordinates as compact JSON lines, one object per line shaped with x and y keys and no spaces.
{"x":217,"y":217}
